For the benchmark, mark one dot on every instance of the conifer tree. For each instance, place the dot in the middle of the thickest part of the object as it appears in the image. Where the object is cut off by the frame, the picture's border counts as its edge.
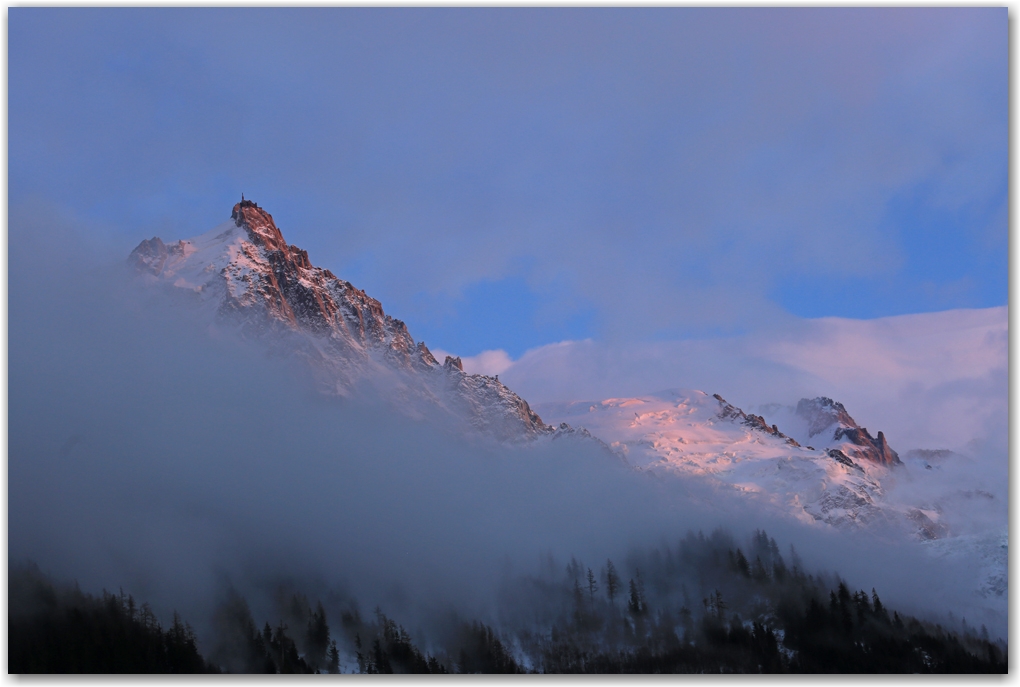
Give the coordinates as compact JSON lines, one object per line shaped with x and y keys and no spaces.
{"x":592,"y":588}
{"x":578,"y":599}
{"x":333,"y":662}
{"x":612,"y":581}
{"x":317,"y":638}
{"x":637,"y":604}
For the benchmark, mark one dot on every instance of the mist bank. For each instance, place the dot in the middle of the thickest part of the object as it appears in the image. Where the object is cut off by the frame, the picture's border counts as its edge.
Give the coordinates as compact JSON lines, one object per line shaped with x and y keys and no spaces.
{"x":182,"y":464}
{"x":759,"y":613}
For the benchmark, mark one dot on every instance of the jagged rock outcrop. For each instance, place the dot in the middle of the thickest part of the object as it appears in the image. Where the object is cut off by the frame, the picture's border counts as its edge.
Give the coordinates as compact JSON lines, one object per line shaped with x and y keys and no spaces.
{"x":728,"y":411}
{"x":824,"y":415}
{"x":717,"y":446}
{"x":151,"y":255}
{"x":821,"y":413}
{"x":271,"y":291}
{"x":927,"y":529}
{"x":841,"y":457}
{"x":873,"y":448}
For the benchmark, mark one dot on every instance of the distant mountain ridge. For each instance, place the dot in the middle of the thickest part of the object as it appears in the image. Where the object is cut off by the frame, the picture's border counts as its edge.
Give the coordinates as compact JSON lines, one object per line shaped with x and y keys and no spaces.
{"x":689,"y":433}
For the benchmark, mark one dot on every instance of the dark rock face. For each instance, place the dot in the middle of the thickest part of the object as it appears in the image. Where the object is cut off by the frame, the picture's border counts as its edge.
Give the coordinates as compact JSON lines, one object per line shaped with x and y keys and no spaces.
{"x":149,"y":256}
{"x":927,"y":529}
{"x":300,"y":296}
{"x":823,"y":413}
{"x":841,"y":457}
{"x":755,"y":422}
{"x":873,"y":448}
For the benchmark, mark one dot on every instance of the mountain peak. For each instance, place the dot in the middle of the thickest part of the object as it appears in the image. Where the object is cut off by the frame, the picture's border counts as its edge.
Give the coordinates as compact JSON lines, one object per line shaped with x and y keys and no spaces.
{"x":252,"y":278}
{"x":823,"y":414}
{"x":260,"y":226}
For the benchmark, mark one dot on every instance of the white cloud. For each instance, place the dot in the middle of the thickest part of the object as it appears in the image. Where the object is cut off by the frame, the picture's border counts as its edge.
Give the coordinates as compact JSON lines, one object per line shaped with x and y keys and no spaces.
{"x":928,"y":380}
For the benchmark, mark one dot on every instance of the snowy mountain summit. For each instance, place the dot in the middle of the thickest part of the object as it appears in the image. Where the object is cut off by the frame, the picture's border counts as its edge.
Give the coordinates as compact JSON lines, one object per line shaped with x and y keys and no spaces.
{"x":837,"y":481}
{"x":244,"y":273}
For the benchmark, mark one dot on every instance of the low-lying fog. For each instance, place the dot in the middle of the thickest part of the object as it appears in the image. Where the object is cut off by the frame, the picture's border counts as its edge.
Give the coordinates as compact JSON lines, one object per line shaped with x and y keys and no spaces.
{"x":149,"y":453}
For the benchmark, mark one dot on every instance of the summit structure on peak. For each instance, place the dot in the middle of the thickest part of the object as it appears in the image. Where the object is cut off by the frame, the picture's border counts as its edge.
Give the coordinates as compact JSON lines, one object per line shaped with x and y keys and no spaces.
{"x":243,"y":272}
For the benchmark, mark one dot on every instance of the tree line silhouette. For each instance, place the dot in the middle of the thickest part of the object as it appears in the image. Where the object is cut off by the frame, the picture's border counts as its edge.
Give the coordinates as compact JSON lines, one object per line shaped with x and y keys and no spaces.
{"x":706,"y":605}
{"x":63,"y":630}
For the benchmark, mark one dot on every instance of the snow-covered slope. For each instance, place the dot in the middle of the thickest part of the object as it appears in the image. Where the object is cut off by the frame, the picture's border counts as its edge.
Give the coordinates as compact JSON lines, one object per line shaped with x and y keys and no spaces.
{"x":839,"y":481}
{"x":818,"y":466}
{"x":244,"y":273}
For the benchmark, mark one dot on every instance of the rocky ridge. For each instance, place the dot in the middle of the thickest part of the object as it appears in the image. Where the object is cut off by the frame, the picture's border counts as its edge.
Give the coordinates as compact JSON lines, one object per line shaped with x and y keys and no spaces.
{"x":246,"y":274}
{"x":691,"y":434}
{"x":823,"y":415}
{"x":756,"y":422}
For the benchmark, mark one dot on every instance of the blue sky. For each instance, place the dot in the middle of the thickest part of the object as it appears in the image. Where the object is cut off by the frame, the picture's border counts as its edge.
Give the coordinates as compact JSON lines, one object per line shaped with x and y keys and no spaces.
{"x":511,"y":178}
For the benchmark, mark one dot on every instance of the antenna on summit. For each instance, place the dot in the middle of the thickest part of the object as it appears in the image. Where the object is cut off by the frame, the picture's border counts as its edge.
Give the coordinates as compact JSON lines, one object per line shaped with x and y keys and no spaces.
{"x":242,"y":196}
